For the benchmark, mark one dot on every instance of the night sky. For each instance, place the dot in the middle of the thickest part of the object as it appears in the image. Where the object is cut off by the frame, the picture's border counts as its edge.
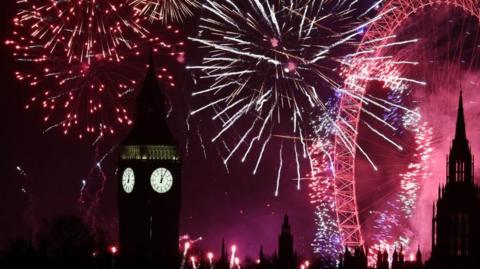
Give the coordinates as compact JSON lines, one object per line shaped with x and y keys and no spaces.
{"x":236,"y":206}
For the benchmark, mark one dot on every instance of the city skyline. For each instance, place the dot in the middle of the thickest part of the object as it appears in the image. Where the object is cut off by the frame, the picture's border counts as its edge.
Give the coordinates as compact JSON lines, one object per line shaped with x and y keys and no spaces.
{"x":343,"y":128}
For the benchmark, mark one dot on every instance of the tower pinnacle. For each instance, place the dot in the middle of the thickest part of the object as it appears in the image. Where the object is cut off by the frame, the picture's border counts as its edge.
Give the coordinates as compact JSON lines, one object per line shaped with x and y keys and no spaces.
{"x":460,"y":157}
{"x":150,"y":125}
{"x":460,"y":133}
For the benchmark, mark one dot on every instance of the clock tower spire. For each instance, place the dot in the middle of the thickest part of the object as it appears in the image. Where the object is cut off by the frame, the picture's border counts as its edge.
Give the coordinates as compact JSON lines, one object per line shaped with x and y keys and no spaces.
{"x":149,"y":192}
{"x":150,"y":125}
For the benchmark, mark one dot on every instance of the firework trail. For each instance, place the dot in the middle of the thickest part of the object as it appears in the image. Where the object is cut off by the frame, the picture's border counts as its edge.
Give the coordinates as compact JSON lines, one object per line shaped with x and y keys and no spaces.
{"x":186,"y":243}
{"x":184,"y":256}
{"x":88,"y":204}
{"x":82,"y":59}
{"x":166,"y":11}
{"x":25,"y":188}
{"x":210,"y":259}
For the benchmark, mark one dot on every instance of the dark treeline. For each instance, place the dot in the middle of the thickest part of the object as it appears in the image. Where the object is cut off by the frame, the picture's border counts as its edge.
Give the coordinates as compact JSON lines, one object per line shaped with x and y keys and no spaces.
{"x":64,"y":242}
{"x":68,"y":242}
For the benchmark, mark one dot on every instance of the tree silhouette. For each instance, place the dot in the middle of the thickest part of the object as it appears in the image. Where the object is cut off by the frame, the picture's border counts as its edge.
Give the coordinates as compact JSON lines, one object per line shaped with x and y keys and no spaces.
{"x":67,"y":241}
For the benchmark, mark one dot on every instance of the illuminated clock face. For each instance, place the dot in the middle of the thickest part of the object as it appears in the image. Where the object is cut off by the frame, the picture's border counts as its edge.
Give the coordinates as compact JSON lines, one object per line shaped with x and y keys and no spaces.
{"x":161,"y":180}
{"x":128,"y":180}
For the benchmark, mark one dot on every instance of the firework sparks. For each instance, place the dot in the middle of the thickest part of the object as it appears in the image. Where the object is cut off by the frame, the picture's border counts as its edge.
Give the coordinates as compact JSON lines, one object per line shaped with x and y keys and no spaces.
{"x":363,"y":69}
{"x":84,"y":30}
{"x":166,"y":11}
{"x":187,"y":243}
{"x":327,"y":241}
{"x":82,"y":57}
{"x":267,"y":69}
{"x":25,"y":188}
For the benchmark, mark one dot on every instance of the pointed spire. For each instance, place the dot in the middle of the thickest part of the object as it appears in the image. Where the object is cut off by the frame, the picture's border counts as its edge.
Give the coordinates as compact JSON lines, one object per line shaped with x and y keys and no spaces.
{"x":223,"y":253}
{"x":285,"y":225}
{"x":460,"y":154}
{"x":419,"y":255}
{"x":150,"y":124}
{"x":460,"y":133}
{"x":261,"y":256}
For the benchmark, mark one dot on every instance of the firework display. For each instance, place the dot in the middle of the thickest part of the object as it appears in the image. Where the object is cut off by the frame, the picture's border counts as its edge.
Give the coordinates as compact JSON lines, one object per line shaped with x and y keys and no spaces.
{"x":267,"y":63}
{"x":299,"y":80}
{"x":327,"y":242}
{"x":84,"y":30}
{"x":83,"y":60}
{"x":389,"y":59}
{"x":166,"y":11}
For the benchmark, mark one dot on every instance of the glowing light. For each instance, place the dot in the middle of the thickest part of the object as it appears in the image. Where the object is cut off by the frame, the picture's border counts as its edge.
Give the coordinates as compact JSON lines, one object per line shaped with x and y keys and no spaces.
{"x":83,"y":59}
{"x":166,"y":11}
{"x":194,"y":265}
{"x":210,"y":257}
{"x":265,"y":68}
{"x":233,"y":257}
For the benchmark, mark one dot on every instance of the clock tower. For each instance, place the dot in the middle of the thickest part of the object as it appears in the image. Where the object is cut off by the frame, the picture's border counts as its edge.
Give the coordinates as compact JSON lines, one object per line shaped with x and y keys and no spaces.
{"x":149,"y":185}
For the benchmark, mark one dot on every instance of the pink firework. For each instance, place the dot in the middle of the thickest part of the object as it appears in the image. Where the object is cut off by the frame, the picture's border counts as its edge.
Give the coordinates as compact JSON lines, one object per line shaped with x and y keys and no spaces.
{"x":403,"y":60}
{"x":83,"y":59}
{"x":166,"y":11}
{"x":84,"y":30}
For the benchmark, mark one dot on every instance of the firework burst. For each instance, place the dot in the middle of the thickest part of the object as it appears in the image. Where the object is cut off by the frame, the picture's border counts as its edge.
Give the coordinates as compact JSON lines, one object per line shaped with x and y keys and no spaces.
{"x":166,"y":11}
{"x":83,"y":60}
{"x":83,"y":30}
{"x":266,"y":64}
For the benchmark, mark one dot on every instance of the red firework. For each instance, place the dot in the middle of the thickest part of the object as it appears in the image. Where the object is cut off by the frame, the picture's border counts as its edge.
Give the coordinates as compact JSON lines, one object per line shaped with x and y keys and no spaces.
{"x":83,"y":60}
{"x":82,"y":29}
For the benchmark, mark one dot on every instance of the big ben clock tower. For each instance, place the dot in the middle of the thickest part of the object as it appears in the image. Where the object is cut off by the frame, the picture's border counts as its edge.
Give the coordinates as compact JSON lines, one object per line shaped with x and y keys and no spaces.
{"x":149,"y":185}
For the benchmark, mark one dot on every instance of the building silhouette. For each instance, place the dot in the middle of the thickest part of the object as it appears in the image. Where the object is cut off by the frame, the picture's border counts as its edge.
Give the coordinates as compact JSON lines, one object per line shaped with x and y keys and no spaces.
{"x":286,"y":257}
{"x":262,"y":262}
{"x":398,"y":259}
{"x":359,"y":260}
{"x":456,"y":221}
{"x":456,"y":217}
{"x":223,"y":262}
{"x":356,"y":260}
{"x":149,"y":185}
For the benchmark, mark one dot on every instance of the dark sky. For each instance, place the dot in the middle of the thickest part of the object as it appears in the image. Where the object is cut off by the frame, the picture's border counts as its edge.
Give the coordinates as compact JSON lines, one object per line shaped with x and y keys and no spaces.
{"x":236,"y":206}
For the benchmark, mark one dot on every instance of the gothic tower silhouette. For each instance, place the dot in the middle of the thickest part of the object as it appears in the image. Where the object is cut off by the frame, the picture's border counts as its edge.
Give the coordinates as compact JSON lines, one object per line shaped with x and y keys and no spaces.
{"x":456,"y":221}
{"x":149,"y":185}
{"x":286,"y":255}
